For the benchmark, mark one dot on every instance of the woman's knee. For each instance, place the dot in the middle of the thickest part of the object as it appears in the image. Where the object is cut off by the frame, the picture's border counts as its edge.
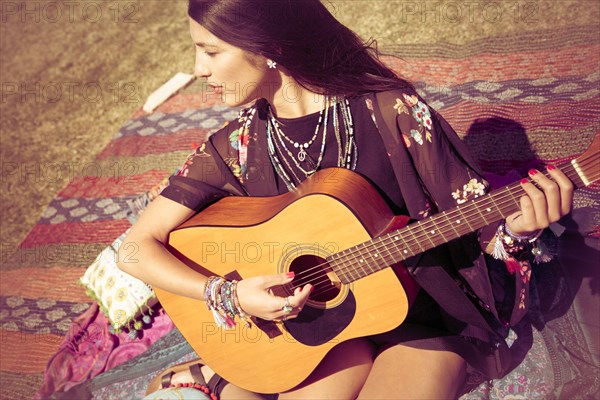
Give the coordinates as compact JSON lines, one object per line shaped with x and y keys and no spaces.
{"x":341,"y":374}
{"x":414,"y":373}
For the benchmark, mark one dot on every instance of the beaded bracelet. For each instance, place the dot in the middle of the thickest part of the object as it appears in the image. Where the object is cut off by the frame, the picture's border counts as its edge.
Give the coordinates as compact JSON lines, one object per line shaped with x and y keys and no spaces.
{"x":220,"y":296}
{"x":243,"y":316}
{"x":532,"y":237}
{"x":510,"y":247}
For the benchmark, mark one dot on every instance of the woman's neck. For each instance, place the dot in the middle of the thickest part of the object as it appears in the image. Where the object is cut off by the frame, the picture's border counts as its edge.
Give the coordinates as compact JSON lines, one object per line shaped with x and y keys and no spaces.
{"x":291,"y":100}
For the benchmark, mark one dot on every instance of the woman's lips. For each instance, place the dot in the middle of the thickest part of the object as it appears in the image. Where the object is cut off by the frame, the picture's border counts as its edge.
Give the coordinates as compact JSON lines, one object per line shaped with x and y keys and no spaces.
{"x":216,"y":88}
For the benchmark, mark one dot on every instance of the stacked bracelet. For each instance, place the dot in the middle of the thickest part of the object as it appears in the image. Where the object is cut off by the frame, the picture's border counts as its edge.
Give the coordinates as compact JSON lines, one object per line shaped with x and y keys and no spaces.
{"x":510,"y":246}
{"x":220,"y":296}
{"x":532,"y":237}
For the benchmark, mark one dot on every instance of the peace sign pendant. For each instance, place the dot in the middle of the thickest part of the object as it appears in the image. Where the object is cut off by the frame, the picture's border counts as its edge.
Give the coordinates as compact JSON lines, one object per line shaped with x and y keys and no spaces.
{"x":301,"y":154}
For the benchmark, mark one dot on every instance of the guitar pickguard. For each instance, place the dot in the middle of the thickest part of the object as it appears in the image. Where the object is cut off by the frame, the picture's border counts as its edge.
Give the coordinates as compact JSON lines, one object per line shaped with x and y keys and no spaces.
{"x":315,"y":326}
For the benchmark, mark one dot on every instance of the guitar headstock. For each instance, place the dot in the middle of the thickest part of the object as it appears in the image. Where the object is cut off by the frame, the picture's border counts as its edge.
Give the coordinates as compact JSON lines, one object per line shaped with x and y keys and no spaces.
{"x":587,"y":165}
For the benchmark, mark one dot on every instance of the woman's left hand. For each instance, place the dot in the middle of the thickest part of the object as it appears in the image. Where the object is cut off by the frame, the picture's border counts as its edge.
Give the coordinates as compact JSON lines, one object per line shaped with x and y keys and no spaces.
{"x":539,"y":208}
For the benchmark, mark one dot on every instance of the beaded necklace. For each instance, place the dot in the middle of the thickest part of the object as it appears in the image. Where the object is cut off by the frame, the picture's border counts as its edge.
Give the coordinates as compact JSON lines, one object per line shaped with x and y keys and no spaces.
{"x":278,"y":149}
{"x":302,"y":154}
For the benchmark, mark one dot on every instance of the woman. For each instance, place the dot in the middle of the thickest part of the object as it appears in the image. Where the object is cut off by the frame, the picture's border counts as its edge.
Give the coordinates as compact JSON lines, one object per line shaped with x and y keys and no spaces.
{"x":311,"y":85}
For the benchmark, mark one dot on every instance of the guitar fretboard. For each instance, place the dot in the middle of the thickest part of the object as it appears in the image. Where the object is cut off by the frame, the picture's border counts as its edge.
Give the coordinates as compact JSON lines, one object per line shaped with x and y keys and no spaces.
{"x":371,"y":256}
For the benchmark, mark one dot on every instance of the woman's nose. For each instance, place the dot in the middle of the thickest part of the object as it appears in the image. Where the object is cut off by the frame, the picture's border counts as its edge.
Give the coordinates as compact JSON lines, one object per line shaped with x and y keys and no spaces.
{"x":200,"y":68}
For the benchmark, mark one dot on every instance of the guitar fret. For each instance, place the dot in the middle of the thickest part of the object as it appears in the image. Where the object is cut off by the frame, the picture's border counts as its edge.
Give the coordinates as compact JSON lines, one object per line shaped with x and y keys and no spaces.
{"x":379,"y":259}
{"x":345,"y":267}
{"x":361,"y":262}
{"x":406,"y":249}
{"x":341,"y":269}
{"x":437,"y":229}
{"x":403,"y":249}
{"x":339,"y":266}
{"x":390,"y":254}
{"x":384,"y":260}
{"x":500,"y":211}
{"x":367,"y":264}
{"x":451,"y":223}
{"x":409,"y":229}
{"x":465,"y":219}
{"x":510,"y":192}
{"x":474,"y":205}
{"x":426,"y":232}
{"x":489,"y":204}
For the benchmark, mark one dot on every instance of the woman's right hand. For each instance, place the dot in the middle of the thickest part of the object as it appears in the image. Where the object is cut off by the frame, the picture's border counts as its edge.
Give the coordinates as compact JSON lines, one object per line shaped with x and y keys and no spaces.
{"x":257,"y":299}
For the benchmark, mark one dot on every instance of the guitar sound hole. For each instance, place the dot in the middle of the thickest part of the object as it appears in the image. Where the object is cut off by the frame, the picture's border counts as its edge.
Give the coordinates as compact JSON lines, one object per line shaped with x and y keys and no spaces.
{"x":313,"y":269}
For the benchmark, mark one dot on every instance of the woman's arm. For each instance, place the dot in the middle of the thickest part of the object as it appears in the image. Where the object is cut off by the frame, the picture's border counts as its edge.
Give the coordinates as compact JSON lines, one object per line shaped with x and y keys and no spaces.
{"x":143,"y":254}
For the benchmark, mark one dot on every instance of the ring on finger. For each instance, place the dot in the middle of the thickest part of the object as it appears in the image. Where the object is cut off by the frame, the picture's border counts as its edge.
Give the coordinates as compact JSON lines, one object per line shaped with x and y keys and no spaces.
{"x":287,"y":307}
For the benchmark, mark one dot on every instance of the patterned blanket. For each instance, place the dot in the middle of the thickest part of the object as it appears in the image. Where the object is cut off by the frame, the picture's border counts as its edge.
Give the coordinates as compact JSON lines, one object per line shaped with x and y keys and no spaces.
{"x":516,"y":100}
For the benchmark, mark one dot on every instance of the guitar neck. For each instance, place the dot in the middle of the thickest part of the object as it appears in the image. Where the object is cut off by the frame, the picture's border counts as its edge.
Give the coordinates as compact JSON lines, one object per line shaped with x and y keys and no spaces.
{"x":371,"y":256}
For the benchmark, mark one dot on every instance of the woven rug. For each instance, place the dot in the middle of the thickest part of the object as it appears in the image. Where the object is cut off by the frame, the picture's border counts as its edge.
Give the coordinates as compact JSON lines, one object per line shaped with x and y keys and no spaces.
{"x":515,"y":99}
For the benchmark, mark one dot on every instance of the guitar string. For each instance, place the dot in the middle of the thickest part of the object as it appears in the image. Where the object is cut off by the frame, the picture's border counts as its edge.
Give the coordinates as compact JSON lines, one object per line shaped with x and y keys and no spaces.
{"x":382,"y":239}
{"x":329,"y":285}
{"x":352,"y":254}
{"x":362,"y":260}
{"x":392,"y":236}
{"x":430,"y":224}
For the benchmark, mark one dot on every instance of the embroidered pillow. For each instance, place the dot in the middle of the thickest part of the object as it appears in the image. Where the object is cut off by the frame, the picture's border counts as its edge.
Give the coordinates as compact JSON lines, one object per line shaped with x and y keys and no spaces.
{"x":125,"y":300}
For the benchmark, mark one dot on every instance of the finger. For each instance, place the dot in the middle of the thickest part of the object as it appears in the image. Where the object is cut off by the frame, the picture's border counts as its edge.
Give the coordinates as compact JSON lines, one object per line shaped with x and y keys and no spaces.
{"x":538,"y":202}
{"x":566,"y":188}
{"x":296,"y":302}
{"x":301,"y":295}
{"x":523,"y":221}
{"x":551,"y":192}
{"x":279,"y":279}
{"x":285,"y":309}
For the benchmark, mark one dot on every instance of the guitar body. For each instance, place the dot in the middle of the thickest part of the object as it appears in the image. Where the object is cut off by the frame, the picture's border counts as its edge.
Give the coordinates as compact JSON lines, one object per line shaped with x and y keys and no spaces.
{"x":242,"y":237}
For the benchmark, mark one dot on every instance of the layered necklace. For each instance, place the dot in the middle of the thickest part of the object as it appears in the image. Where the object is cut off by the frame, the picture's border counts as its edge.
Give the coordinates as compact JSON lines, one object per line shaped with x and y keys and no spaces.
{"x":283,"y":149}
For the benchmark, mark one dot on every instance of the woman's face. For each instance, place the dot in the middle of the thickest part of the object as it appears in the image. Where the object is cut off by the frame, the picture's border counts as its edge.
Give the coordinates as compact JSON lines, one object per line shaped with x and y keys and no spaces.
{"x":236,"y":75}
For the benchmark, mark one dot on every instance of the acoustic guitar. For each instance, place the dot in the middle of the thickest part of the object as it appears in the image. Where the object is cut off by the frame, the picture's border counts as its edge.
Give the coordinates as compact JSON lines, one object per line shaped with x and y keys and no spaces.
{"x":336,"y":232}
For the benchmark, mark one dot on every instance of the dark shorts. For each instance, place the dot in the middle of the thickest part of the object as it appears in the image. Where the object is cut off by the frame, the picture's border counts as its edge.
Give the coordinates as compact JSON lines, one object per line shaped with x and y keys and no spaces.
{"x":424,"y":328}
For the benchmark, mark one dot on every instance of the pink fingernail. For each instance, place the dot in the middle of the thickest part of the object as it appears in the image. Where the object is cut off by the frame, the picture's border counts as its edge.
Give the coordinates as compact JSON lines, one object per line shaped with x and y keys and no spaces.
{"x":532,"y":172}
{"x":290,"y":274}
{"x":550,"y":167}
{"x":524,"y":180}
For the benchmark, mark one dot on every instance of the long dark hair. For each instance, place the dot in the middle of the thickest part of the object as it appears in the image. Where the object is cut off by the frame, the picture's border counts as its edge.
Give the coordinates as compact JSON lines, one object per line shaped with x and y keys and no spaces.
{"x":319,"y":52}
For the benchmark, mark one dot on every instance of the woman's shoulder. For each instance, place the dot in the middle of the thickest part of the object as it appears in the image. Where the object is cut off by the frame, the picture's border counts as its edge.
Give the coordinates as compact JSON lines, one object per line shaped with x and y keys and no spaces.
{"x":230,"y":125}
{"x":402,"y":98}
{"x":229,"y":128}
{"x":398,"y":101}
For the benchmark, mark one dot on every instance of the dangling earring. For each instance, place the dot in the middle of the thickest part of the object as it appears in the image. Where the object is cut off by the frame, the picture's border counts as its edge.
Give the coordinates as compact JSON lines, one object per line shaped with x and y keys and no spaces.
{"x":272,"y":64}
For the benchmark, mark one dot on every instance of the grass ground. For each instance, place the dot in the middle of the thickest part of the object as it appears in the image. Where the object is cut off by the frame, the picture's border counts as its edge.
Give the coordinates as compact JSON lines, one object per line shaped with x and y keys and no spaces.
{"x":72,"y":72}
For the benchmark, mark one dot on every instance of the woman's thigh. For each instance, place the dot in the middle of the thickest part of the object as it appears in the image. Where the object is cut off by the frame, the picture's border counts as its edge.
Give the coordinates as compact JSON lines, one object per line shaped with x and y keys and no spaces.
{"x":402,"y":372}
{"x":340,"y":375}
